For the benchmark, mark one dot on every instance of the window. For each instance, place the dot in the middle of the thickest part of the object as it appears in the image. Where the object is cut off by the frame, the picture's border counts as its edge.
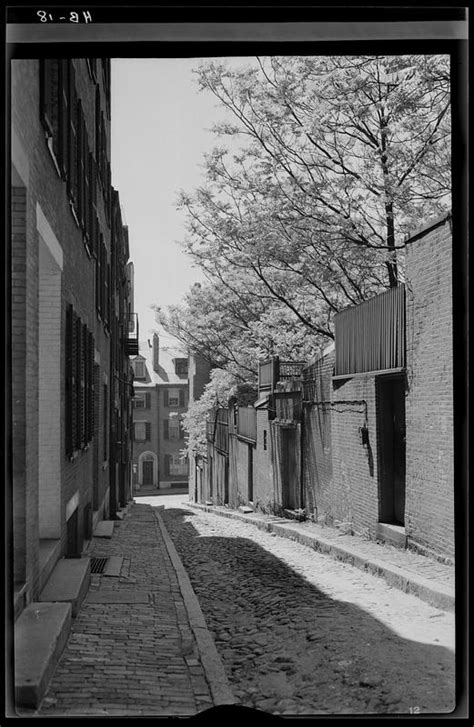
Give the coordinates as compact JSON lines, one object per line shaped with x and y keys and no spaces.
{"x":142,"y":431}
{"x":139,"y":369}
{"x":181,"y":366}
{"x":174,"y":397}
{"x":177,"y":465}
{"x":141,"y":401}
{"x":106,"y":416}
{"x":80,"y":394}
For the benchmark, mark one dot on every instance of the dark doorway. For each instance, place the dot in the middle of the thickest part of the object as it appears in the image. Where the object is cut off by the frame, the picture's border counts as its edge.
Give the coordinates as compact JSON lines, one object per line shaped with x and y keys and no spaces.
{"x":226,"y":482}
{"x":391,"y":423}
{"x":289,"y":469}
{"x":250,"y":472}
{"x":72,"y":536}
{"x":148,"y":472}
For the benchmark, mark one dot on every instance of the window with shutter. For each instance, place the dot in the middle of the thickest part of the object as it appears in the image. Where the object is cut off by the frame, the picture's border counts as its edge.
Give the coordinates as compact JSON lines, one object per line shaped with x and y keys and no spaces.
{"x":181,"y":397}
{"x":90,"y":389}
{"x":98,"y":276}
{"x":72,"y":186}
{"x":49,"y":102}
{"x":98,"y":138}
{"x":70,"y":382}
{"x":140,"y":431}
{"x":63,"y":159}
{"x":166,"y":430}
{"x":92,"y":68}
{"x":81,"y":165}
{"x":105,"y":415}
{"x":80,"y":388}
{"x":87,"y":197}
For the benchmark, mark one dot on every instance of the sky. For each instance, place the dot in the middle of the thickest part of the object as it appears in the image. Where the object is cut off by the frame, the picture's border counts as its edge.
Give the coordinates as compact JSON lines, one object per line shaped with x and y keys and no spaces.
{"x":160,"y":131}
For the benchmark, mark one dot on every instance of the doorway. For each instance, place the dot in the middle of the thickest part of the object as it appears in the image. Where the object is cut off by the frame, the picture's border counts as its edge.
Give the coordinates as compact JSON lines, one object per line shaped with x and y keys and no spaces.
{"x":147,"y":472}
{"x":391,"y":425}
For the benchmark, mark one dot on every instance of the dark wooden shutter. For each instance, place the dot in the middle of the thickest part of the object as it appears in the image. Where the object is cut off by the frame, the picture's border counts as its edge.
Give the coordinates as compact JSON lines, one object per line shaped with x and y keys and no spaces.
{"x":166,"y":429}
{"x":166,"y":397}
{"x":181,"y":397}
{"x":87,"y":196}
{"x":147,"y":400}
{"x":167,"y":464}
{"x":92,"y":221}
{"x":49,"y":99}
{"x":92,"y":68}
{"x":63,"y":159}
{"x":107,"y":283}
{"x":98,"y":276}
{"x":98,"y":137}
{"x":70,"y":381}
{"x":181,"y":430}
{"x":90,"y":387}
{"x":148,"y":431}
{"x":81,"y":166}
{"x":72,"y":139}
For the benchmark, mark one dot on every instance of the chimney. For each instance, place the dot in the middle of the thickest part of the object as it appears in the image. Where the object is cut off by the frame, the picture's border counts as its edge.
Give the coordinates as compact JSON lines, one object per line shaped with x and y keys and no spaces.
{"x":156,"y":352}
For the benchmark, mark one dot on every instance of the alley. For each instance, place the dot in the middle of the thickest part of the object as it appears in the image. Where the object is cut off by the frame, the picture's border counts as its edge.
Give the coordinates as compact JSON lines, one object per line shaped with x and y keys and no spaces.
{"x":300,"y":633}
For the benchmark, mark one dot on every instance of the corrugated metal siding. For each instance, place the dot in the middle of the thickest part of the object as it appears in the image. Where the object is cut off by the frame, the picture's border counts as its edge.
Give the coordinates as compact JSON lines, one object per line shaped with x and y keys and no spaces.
{"x":371,"y":336}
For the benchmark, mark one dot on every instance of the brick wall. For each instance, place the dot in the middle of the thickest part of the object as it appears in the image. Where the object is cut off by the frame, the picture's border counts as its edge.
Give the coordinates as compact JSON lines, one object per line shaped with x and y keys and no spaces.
{"x":46,"y":207}
{"x":429,"y":402}
{"x":170,"y":446}
{"x":19,"y":348}
{"x":354,"y":495}
{"x":151,"y":415}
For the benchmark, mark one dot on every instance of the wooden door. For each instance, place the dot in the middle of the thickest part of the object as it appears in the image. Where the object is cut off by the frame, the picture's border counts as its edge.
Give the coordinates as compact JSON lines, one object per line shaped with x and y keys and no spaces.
{"x":148,"y":472}
{"x":391,"y":422}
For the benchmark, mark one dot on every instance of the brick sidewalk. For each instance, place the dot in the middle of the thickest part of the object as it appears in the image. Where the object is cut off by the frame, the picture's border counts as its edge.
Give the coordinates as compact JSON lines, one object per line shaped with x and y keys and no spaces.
{"x":139,"y":645}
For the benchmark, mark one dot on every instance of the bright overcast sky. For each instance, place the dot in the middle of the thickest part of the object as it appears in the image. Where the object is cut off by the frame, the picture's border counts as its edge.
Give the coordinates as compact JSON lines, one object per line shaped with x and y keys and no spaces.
{"x":160,"y":130}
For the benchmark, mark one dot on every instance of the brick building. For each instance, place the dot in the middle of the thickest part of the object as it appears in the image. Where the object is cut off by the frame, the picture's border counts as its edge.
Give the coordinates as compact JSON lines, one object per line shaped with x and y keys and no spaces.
{"x":161,"y":398}
{"x":378,"y":435}
{"x":72,"y":325}
{"x":362,"y":437}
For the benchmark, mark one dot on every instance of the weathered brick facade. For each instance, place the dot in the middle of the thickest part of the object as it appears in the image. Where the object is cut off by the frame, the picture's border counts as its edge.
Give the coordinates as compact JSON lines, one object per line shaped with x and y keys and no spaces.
{"x":429,"y":401}
{"x":61,"y":458}
{"x":161,"y":398}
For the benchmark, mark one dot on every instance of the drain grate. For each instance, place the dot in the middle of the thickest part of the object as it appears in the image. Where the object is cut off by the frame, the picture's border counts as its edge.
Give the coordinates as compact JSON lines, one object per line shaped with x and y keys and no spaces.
{"x":98,"y":564}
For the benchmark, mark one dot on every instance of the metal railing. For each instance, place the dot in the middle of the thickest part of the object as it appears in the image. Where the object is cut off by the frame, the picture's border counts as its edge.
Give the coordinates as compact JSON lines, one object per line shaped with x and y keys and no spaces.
{"x":272,"y":370}
{"x":130,"y":341}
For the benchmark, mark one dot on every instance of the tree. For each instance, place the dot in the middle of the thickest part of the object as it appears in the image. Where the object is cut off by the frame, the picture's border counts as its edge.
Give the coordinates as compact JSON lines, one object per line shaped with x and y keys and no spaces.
{"x":329,"y":162}
{"x":222,"y":389}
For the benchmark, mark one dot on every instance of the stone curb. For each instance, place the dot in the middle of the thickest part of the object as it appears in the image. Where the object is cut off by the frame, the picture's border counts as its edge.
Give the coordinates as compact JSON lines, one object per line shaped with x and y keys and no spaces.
{"x":438,"y":596}
{"x":210,"y":659}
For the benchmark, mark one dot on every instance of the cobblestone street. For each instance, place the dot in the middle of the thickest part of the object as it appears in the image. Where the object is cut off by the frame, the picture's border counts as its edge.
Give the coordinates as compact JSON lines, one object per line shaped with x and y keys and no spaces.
{"x":300,"y":633}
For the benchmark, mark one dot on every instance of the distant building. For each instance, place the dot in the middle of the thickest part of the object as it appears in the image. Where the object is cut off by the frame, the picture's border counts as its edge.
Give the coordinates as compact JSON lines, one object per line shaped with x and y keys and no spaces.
{"x":161,"y":398}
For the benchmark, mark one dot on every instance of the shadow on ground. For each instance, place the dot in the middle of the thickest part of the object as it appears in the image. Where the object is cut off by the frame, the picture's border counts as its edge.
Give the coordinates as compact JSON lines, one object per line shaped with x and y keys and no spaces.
{"x":289,"y":647}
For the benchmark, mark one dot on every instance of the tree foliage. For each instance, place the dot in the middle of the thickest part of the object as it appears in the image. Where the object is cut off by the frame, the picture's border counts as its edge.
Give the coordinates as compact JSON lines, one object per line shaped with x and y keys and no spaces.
{"x":327,"y":163}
